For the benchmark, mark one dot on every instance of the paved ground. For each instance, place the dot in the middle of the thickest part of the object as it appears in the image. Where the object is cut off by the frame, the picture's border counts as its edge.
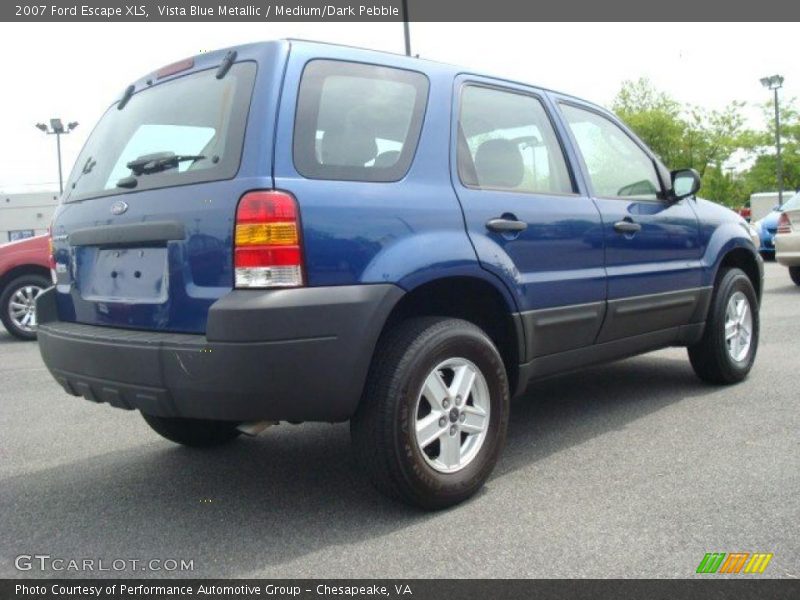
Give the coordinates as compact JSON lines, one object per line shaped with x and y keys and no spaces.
{"x":630,"y":469}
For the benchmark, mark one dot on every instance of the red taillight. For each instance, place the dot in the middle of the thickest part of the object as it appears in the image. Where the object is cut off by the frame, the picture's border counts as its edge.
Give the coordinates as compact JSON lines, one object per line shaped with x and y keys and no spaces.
{"x":51,"y":254}
{"x":784,"y":224}
{"x":266,"y":207}
{"x":267,"y":249}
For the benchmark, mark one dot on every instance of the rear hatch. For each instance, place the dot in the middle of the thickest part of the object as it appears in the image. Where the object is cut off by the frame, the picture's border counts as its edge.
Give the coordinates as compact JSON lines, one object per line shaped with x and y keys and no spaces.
{"x":143,"y":238}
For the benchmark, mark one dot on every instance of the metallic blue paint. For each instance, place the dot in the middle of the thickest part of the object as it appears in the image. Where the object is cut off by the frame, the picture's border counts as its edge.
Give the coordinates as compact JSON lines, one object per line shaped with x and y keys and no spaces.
{"x":199,"y":267}
{"x":422,"y":228}
{"x":555,"y":261}
{"x":721,"y":231}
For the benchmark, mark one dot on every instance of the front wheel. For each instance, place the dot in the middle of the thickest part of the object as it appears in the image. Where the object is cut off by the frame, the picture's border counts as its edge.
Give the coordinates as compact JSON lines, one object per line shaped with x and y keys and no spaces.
{"x":198,"y":433}
{"x":794,"y":273}
{"x":727,"y":350}
{"x":433,"y":417}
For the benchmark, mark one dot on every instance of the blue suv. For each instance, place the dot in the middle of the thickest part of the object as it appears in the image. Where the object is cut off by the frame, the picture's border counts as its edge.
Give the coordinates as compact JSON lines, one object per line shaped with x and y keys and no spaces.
{"x":294,"y":231}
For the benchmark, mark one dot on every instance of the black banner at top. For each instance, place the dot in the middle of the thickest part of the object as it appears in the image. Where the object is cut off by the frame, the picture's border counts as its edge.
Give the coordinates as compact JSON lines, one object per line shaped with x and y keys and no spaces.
{"x":397,"y":10}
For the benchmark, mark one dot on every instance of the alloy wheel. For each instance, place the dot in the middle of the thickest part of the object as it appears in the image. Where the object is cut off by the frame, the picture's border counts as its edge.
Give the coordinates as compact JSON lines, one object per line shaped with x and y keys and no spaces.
{"x":22,"y":307}
{"x":738,"y":326}
{"x":452,"y":415}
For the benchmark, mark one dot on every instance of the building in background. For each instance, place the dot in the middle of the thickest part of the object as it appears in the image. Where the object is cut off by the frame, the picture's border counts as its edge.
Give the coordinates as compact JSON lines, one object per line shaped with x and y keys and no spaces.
{"x":25,"y":214}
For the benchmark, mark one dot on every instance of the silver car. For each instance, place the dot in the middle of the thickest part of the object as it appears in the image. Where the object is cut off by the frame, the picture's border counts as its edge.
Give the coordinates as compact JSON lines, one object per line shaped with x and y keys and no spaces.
{"x":787,"y":237}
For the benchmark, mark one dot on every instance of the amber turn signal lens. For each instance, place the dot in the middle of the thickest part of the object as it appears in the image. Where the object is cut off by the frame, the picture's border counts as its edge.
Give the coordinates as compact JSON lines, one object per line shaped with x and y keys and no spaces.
{"x":259,"y":234}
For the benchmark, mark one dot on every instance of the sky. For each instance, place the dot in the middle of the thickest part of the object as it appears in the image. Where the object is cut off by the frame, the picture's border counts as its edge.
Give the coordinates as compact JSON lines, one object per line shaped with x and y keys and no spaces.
{"x":75,"y":70}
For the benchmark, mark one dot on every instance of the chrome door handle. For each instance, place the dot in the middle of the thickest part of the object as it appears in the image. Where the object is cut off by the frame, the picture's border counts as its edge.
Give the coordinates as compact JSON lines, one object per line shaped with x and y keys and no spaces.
{"x":627,"y":227}
{"x":506,"y":225}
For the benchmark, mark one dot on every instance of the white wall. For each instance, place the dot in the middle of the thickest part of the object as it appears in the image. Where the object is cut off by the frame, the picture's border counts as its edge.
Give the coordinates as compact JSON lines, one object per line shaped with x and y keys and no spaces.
{"x":29,"y":211}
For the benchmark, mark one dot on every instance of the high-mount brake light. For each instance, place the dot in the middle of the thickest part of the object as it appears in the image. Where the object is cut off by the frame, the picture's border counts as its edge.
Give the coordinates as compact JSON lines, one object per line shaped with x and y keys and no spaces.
{"x":267,"y":250}
{"x":176,"y":67}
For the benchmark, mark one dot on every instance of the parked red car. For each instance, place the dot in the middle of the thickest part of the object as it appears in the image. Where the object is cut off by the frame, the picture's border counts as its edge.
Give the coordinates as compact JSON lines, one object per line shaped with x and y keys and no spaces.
{"x":745,"y":212}
{"x":24,"y":274}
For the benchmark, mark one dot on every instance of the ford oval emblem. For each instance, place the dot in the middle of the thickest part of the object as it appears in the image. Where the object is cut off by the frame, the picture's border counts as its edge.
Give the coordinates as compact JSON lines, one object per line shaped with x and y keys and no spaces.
{"x":119,"y":207}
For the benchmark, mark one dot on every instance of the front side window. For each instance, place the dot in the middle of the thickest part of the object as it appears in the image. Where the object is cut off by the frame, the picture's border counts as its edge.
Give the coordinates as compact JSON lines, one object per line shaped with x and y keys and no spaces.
{"x":190,"y":129}
{"x":357,"y":122}
{"x":506,"y":142}
{"x":617,"y":166}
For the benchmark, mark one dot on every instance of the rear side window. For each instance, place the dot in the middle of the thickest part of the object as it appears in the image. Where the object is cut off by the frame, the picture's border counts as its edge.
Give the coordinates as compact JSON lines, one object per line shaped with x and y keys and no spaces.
{"x":195,"y":124}
{"x":357,"y":122}
{"x":506,"y":142}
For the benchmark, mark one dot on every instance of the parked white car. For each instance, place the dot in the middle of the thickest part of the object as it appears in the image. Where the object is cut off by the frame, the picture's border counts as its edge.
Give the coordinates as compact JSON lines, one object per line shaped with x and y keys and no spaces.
{"x":787,"y":237}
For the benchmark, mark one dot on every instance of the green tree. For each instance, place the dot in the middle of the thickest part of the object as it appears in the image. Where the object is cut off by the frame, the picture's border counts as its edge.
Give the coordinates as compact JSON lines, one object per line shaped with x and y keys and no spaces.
{"x":654,"y":116}
{"x":686,"y":136}
{"x":712,"y":136}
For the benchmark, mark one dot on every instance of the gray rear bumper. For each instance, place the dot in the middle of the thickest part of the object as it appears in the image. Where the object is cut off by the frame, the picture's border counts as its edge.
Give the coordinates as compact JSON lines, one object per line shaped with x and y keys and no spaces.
{"x":299,"y":355}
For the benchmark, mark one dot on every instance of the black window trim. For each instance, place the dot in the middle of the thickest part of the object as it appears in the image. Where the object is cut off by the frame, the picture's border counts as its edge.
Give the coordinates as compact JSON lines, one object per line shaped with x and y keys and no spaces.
{"x":662,"y":194}
{"x":424,"y":98}
{"x":521,"y":92}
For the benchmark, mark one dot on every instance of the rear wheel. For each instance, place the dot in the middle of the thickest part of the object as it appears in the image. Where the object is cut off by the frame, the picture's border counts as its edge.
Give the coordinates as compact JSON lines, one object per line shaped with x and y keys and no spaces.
{"x":794,"y":273}
{"x":18,"y":305}
{"x":433,"y":418}
{"x":198,"y":433}
{"x":727,"y":350}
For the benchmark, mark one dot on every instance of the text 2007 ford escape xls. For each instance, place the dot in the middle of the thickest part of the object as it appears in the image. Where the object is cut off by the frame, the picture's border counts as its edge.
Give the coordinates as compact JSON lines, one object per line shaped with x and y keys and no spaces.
{"x":305,"y":232}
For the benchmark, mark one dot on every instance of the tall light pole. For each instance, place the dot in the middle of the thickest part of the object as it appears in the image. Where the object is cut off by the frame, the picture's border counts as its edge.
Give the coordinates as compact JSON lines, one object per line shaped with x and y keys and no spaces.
{"x":57,"y":129}
{"x":775,"y":82}
{"x":406,"y":32}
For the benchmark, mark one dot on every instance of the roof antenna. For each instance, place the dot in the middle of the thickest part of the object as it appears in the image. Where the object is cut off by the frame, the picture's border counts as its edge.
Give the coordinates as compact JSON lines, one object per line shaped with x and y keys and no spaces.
{"x":406,"y":32}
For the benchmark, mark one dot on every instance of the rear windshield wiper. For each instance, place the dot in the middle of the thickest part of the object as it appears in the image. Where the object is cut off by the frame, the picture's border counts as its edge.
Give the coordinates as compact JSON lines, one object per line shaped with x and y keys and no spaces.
{"x":129,"y":182}
{"x":159,"y":161}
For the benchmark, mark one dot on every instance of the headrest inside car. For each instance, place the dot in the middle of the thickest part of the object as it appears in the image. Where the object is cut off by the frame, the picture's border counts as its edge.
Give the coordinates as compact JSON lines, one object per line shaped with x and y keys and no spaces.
{"x":348,"y":147}
{"x":498,"y":163}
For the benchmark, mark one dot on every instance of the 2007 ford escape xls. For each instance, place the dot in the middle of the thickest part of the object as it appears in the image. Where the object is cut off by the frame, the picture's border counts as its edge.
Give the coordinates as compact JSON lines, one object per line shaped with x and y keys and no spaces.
{"x":292,"y":231}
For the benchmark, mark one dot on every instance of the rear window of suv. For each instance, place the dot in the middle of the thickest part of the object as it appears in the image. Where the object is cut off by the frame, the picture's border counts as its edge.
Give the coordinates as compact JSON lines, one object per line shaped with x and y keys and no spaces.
{"x":195,"y":123}
{"x":357,"y":122}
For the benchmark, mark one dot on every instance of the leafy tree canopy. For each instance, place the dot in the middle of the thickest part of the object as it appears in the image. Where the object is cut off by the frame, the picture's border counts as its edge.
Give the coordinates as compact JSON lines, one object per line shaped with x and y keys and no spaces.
{"x":714,"y":142}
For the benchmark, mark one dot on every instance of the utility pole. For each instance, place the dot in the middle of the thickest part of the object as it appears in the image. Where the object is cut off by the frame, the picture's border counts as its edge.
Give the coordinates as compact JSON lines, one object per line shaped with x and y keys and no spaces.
{"x":406,"y":32}
{"x":774,"y":83}
{"x":778,"y":157}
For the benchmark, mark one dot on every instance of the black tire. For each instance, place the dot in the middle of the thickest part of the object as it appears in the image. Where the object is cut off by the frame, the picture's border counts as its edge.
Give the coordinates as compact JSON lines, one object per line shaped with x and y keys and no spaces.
{"x":197,"y":433}
{"x":710,"y":358}
{"x":794,"y":273}
{"x":383,"y":428}
{"x":15,"y":285}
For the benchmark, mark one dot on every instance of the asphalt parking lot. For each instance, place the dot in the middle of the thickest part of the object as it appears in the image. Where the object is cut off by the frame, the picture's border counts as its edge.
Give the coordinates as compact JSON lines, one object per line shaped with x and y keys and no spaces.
{"x":634,"y":469}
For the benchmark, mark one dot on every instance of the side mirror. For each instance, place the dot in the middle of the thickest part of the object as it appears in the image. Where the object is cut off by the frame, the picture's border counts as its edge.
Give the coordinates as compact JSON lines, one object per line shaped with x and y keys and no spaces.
{"x":685,"y":183}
